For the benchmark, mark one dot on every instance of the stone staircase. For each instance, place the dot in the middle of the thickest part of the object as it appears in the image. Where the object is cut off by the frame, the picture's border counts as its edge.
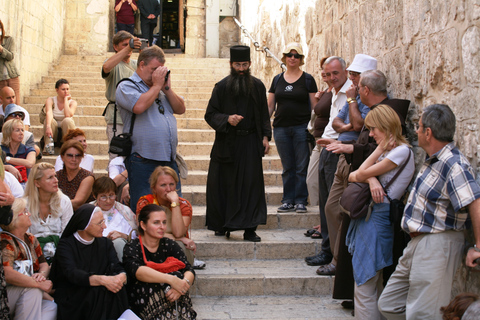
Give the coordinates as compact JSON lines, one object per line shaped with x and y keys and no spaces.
{"x":242,"y":280}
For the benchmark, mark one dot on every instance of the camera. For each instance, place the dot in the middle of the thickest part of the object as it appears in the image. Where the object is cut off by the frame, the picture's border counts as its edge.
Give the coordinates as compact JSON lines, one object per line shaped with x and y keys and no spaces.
{"x":143,"y":45}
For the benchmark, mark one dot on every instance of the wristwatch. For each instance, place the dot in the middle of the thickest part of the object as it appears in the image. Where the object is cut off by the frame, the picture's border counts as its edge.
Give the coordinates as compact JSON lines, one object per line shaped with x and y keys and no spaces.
{"x":8,"y":159}
{"x":351,"y":100}
{"x":476,"y":248}
{"x":174,"y":204}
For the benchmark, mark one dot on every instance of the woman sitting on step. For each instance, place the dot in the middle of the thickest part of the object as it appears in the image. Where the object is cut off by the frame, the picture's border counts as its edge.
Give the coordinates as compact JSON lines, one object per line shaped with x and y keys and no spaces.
{"x":59,"y":112}
{"x":74,"y":181}
{"x":371,"y":242}
{"x":163,"y":182}
{"x":120,"y":221}
{"x":159,"y":273}
{"x":50,"y":209}
{"x":77,"y":135}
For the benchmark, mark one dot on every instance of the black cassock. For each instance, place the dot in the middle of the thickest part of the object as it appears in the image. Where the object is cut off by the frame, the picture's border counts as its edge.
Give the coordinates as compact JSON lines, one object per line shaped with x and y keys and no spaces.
{"x":74,"y":264}
{"x":235,"y":185}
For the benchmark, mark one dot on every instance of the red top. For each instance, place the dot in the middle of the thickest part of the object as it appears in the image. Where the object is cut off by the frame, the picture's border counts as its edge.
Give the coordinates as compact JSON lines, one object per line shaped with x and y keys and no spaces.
{"x":126,"y":13}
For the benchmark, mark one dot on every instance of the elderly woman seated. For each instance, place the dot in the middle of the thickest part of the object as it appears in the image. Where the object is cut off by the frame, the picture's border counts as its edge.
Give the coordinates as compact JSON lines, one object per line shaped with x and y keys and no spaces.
{"x":73,"y":180}
{"x":51,"y":210}
{"x":159,"y":273}
{"x":119,"y":219}
{"x":163,"y":182}
{"x":86,"y":273}
{"x":26,"y":270}
{"x":87,"y":160}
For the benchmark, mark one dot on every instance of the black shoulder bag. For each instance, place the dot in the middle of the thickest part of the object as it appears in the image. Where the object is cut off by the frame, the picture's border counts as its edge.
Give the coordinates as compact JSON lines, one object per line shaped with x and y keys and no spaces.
{"x":122,"y":144}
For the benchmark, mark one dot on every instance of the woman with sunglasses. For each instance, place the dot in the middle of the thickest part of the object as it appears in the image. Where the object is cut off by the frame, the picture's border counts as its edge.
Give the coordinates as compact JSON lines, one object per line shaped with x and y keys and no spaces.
{"x":119,"y":219}
{"x":292,"y":97}
{"x":159,"y":273}
{"x":19,"y":156}
{"x":59,"y":112}
{"x":9,"y":76}
{"x":51,"y":210}
{"x":77,"y":135}
{"x":73,"y":180}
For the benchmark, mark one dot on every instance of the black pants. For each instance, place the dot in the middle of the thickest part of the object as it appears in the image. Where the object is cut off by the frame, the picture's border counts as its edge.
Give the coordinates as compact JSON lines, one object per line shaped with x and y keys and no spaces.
{"x":147,"y":26}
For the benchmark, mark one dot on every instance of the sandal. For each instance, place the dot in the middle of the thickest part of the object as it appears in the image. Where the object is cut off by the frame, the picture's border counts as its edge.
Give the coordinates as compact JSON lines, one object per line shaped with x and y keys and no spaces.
{"x":310,"y":232}
{"x":316,"y":235}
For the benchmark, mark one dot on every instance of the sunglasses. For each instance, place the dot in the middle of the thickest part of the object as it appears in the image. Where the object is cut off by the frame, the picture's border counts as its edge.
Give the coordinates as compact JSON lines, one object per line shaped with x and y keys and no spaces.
{"x":295,"y":55}
{"x":73,"y":156}
{"x":16,"y":115}
{"x":353,"y":73}
{"x":161,"y":109}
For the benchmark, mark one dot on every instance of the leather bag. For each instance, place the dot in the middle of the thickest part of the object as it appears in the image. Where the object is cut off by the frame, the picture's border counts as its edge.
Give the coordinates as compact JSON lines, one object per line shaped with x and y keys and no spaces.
{"x":356,"y":200}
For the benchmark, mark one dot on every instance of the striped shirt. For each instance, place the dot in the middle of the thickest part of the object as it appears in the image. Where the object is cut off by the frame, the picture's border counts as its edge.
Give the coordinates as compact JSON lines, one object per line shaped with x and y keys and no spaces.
{"x":444,"y":187}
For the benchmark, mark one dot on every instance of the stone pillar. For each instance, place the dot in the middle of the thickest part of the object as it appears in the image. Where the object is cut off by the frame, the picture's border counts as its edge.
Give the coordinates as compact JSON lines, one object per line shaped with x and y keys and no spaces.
{"x":195,"y":29}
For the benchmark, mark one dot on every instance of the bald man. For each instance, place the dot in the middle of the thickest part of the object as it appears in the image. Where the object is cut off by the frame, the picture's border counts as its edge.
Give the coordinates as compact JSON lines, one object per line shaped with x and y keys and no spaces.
{"x":7,"y":96}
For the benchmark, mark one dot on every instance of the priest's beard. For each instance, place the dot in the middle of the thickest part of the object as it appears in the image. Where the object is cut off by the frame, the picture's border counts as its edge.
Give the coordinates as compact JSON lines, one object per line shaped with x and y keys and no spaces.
{"x":239,"y":84}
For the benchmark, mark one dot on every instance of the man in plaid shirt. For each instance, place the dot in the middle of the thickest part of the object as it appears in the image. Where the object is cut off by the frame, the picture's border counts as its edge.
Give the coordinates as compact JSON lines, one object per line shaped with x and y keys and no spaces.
{"x":435,"y":217}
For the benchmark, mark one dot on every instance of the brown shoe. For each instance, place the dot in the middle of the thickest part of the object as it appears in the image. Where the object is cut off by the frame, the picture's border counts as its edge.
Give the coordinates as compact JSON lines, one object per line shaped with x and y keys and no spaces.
{"x":326,"y":270}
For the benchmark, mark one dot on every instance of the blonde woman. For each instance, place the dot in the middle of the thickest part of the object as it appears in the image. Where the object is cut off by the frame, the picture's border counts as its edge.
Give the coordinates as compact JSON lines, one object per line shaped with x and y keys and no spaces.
{"x":371,"y":242}
{"x":50,"y":209}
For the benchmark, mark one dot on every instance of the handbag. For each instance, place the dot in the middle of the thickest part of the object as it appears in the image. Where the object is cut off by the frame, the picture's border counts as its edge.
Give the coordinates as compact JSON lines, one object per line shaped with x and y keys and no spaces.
{"x":42,"y":115}
{"x":122,"y":144}
{"x":356,"y":200}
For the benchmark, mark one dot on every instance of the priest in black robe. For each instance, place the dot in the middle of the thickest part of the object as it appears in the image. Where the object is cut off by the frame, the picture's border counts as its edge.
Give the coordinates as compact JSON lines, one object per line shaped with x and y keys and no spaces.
{"x":86,"y":273}
{"x":238,"y":112}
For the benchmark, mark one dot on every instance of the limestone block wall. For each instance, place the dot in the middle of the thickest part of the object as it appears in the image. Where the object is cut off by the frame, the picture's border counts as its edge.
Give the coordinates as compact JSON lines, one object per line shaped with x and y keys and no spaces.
{"x":429,"y":50}
{"x":88,"y":26}
{"x":195,"y":28}
{"x":38,"y":30}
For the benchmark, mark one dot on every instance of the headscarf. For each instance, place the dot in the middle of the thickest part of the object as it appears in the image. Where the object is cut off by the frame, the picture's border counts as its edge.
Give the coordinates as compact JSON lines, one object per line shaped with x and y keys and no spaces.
{"x":80,"y":220}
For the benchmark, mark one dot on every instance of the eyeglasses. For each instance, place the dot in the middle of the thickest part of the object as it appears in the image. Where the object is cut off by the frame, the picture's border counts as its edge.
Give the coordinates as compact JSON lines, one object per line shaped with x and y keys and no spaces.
{"x":239,"y":65}
{"x":353,"y":73}
{"x":25,"y":213}
{"x":161,"y":109}
{"x":295,"y":55}
{"x":105,"y":198}
{"x":73,"y":156}
{"x":16,"y":115}
{"x":100,"y":223}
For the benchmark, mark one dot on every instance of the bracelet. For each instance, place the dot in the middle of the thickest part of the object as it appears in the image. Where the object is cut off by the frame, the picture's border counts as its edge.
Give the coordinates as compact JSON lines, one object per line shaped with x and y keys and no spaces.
{"x":126,"y":178}
{"x":188,"y":281}
{"x":476,"y":248}
{"x":351,"y":100}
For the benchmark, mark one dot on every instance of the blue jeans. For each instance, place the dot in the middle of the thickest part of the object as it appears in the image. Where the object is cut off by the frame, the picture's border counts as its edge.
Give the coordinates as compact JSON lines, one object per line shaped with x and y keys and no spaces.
{"x":292,"y":146}
{"x":139,"y":171}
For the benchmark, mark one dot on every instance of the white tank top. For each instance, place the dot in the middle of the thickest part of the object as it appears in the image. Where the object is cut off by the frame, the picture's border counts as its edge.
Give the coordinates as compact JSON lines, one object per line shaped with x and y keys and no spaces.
{"x":58,"y":115}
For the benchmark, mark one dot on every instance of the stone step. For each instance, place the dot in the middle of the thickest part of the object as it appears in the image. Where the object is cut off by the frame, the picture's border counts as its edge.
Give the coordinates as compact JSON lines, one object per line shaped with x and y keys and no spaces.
{"x":292,"y":307}
{"x":197,"y":177}
{"x":275,"y":220}
{"x":196,"y":194}
{"x":201,"y":162}
{"x":92,"y":132}
{"x":275,"y":244}
{"x":203,"y":148}
{"x":258,"y":277}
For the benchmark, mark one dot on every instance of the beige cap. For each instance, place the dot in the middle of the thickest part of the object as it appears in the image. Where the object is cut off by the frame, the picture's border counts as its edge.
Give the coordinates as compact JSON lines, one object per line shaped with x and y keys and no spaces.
{"x":294,"y":46}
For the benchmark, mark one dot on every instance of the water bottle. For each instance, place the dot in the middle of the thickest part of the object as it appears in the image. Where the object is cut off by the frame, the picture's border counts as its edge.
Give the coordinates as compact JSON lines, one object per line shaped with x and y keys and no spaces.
{"x":51,"y":146}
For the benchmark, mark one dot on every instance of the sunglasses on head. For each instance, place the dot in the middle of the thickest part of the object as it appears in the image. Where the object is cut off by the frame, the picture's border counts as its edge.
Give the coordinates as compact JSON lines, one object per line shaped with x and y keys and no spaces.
{"x":295,"y":55}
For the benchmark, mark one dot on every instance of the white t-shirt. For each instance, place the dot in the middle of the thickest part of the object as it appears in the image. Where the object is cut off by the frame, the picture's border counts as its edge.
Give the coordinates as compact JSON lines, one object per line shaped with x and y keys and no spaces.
{"x":26,"y":121}
{"x":13,"y":184}
{"x":398,"y":156}
{"x":87,"y":163}
{"x":116,"y":166}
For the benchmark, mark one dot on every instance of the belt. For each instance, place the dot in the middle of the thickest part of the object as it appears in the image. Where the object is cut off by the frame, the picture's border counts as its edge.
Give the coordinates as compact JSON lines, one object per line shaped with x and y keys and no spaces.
{"x":416,"y":234}
{"x":245,"y":132}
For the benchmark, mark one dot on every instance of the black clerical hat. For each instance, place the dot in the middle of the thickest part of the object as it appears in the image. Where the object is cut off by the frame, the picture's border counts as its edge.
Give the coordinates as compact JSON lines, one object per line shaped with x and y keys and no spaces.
{"x":239,"y":53}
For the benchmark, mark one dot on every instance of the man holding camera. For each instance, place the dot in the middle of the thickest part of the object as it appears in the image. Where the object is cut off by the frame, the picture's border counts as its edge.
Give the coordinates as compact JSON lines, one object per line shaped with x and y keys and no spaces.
{"x":114,"y":69}
{"x":150,"y":98}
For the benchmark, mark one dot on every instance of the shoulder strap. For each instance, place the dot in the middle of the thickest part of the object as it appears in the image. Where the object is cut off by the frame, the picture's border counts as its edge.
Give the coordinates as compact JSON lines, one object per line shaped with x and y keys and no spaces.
{"x":25,"y":246}
{"x":275,"y":80}
{"x":397,"y":174}
{"x":115,"y":109}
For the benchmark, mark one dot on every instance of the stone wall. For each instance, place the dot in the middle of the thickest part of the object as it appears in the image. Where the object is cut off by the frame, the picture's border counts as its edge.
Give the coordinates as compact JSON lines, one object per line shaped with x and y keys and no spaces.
{"x":88,"y":26}
{"x":38,"y":30}
{"x":195,"y":28}
{"x":429,"y":50}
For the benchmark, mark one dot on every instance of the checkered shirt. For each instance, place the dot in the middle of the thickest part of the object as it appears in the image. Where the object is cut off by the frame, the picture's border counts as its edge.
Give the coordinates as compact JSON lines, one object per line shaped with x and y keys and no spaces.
{"x":444,"y":187}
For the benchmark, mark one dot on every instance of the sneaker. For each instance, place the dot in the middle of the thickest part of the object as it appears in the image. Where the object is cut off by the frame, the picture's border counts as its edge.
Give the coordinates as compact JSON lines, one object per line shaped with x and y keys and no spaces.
{"x":198,"y":264}
{"x":300,"y":208}
{"x":286,"y":207}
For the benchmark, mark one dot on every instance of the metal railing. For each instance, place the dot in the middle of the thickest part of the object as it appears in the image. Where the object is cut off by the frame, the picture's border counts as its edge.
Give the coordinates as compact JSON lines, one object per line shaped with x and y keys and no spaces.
{"x":264,"y":49}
